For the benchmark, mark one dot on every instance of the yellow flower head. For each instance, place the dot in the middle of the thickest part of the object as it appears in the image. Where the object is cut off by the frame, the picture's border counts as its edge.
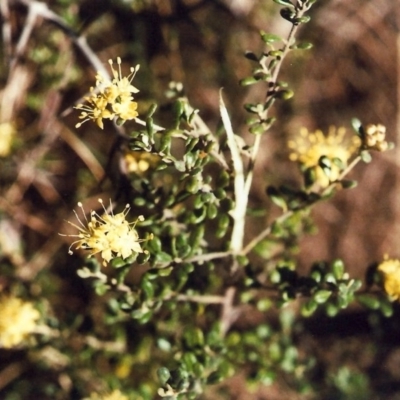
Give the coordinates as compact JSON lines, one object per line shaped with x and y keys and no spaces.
{"x":95,"y":111}
{"x":114,"y":395}
{"x":125,"y":110}
{"x":18,"y":319}
{"x":374,"y":137}
{"x":139,"y":162}
{"x":111,"y":235}
{"x":390,"y":269}
{"x":111,"y":98}
{"x":308,"y":148}
{"x":7,"y":133}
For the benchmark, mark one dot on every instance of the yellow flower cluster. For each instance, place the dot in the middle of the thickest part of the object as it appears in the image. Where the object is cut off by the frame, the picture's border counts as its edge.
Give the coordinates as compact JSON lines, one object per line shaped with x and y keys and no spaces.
{"x":110,"y":235}
{"x":308,"y":148}
{"x":390,"y":269}
{"x":139,"y":162}
{"x":7,"y":133}
{"x":110,"y":98}
{"x":114,"y":395}
{"x":374,"y":137}
{"x":18,"y":319}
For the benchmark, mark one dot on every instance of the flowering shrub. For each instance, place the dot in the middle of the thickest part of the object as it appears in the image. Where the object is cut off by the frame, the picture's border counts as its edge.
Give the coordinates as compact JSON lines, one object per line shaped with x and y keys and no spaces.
{"x":174,"y":293}
{"x":18,"y":320}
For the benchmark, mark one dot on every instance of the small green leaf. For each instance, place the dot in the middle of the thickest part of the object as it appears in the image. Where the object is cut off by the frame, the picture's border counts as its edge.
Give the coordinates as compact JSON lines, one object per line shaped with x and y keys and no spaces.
{"x":325,"y":163}
{"x":223,"y":224}
{"x":308,"y":308}
{"x":223,"y":179}
{"x":196,"y":236}
{"x":356,"y":124}
{"x":250,"y":56}
{"x":212,"y":211}
{"x":165,"y":271}
{"x":264,"y":305}
{"x":316,"y":275}
{"x":180,"y":165}
{"x":163,"y":257}
{"x":165,"y":142}
{"x":164,"y":345}
{"x":191,"y":143}
{"x":330,"y":278}
{"x":252,"y":108}
{"x":155,"y":244}
{"x":348,"y":184}
{"x":275,"y":53}
{"x":248,"y":81}
{"x":369,"y":301}
{"x":354,"y":285}
{"x":275,"y":276}
{"x":194,"y":337}
{"x":193,"y":184}
{"x":267,"y":378}
{"x":302,"y":20}
{"x":276,"y":197}
{"x":163,"y":375}
{"x":386,"y":308}
{"x":101,"y":288}
{"x":145,"y":317}
{"x":272,"y":64}
{"x":288,"y":14}
{"x":302,"y":46}
{"x":150,"y":126}
{"x":84,"y":272}
{"x":147,"y":288}
{"x":331,"y":310}
{"x":321,"y":296}
{"x":338,"y":269}
{"x":366,"y":156}
{"x":270,"y":37}
{"x":310,"y":176}
{"x":284,"y":94}
{"x":152,"y":110}
{"x":139,"y":201}
{"x":257,"y":129}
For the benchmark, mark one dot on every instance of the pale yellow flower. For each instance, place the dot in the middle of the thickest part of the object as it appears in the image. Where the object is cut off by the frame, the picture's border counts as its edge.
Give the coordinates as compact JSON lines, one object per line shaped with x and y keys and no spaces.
{"x":7,"y":133}
{"x":111,"y":98}
{"x":125,"y":110}
{"x":96,"y":111}
{"x":374,"y":137}
{"x":111,"y":235}
{"x":308,"y":148}
{"x":123,"y":85}
{"x":139,"y":162}
{"x":114,"y":395}
{"x":18,"y":320}
{"x":390,"y":269}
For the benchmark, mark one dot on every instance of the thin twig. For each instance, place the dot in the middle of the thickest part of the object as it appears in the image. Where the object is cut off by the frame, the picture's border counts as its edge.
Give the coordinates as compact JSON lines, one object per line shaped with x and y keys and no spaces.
{"x":202,"y":299}
{"x":262,"y":235}
{"x":257,"y":141}
{"x":6,"y":29}
{"x":208,"y":256}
